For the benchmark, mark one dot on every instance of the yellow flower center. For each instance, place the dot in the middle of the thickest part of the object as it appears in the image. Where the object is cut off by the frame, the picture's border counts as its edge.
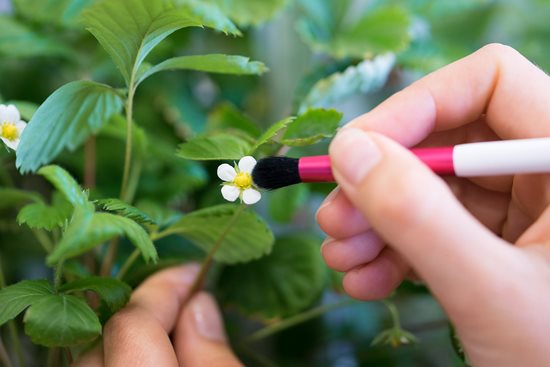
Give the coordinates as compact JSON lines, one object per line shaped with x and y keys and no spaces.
{"x":9,"y":131}
{"x":243,"y":180}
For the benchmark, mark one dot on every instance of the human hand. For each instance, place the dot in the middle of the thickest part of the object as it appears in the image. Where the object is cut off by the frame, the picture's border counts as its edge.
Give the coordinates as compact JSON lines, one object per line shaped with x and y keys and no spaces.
{"x":391,"y":215}
{"x":154,"y":330}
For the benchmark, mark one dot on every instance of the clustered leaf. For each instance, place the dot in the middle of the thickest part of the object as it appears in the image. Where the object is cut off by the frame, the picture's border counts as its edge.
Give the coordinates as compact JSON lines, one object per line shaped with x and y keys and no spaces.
{"x":215,"y":147}
{"x":126,"y":210}
{"x":311,"y":127}
{"x":65,"y":120}
{"x":248,"y":237}
{"x":43,"y":216}
{"x":281,"y":284}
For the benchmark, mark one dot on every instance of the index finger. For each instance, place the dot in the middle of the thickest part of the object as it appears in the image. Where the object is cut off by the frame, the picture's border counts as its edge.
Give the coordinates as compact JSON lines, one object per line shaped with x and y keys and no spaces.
{"x":496,"y":81}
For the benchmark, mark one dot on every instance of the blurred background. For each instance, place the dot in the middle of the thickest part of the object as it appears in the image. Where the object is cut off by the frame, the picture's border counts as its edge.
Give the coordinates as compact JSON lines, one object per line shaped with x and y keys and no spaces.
{"x":342,"y":54}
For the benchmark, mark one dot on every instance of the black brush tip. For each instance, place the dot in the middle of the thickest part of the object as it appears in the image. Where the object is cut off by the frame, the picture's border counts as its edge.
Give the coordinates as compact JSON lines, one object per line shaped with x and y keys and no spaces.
{"x":276,"y":172}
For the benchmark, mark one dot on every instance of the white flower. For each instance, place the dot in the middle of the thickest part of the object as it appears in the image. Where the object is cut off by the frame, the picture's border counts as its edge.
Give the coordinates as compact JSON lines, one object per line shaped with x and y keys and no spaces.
{"x":238,"y":181}
{"x":11,"y":126}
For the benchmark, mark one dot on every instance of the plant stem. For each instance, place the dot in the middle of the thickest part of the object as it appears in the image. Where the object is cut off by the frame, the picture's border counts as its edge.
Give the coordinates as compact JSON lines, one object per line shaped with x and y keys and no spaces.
{"x":53,"y":357}
{"x":128,"y":155}
{"x":296,"y":320}
{"x":90,"y":163}
{"x":109,"y":259}
{"x":68,"y":355}
{"x":127,"y":264}
{"x":394,"y":314}
{"x":4,"y":357}
{"x":205,"y":267}
{"x":58,"y":275}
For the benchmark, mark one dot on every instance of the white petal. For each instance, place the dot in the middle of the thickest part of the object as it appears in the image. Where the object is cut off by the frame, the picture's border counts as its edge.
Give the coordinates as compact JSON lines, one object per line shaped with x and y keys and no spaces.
{"x":12,"y":114}
{"x":230,"y":192}
{"x":20,"y":125}
{"x":247,"y":164}
{"x":3,"y":113}
{"x":226,"y":172}
{"x":11,"y":144}
{"x":251,"y":196}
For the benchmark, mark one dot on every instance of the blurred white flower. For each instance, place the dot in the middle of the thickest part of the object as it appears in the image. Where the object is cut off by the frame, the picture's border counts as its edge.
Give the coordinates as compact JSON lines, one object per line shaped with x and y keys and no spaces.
{"x":238,"y":181}
{"x":11,"y":126}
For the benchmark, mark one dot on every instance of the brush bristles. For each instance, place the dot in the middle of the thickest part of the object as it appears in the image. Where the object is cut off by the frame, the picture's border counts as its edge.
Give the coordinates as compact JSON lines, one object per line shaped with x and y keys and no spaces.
{"x":276,"y":172}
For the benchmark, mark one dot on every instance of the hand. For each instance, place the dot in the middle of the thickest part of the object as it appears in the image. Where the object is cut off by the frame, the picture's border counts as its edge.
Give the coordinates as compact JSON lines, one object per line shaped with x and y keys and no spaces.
{"x":154,"y":330}
{"x":392,"y":215}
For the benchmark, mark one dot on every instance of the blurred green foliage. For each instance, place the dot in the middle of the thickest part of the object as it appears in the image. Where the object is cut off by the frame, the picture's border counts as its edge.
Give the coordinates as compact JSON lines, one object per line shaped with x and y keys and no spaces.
{"x":325,"y":54}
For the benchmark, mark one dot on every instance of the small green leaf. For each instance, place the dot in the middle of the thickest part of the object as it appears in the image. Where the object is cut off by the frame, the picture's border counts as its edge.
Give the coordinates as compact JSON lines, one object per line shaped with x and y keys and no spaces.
{"x":113,"y":292}
{"x":12,"y":197}
{"x":18,"y":41}
{"x":215,"y":63}
{"x":42,"y":216}
{"x":281,"y":284}
{"x":65,"y":184}
{"x":126,"y":210}
{"x":271,"y":133}
{"x":215,"y":147}
{"x":60,"y":321}
{"x":248,"y":238}
{"x":311,"y":127}
{"x":129,"y":30}
{"x":65,"y":120}
{"x":17,"y":297}
{"x":88,"y":229}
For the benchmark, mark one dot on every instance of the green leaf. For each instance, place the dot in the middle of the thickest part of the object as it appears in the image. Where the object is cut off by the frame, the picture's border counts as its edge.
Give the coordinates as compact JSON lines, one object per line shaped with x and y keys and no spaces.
{"x":65,"y":120}
{"x":60,"y":321}
{"x":65,"y":184}
{"x":311,"y":127}
{"x":129,"y":30}
{"x":17,"y":297}
{"x":126,"y":210}
{"x":270,"y":134}
{"x":18,"y":41}
{"x":12,"y":197}
{"x":113,"y":292}
{"x":226,"y":117}
{"x":385,"y":29}
{"x":88,"y":229}
{"x":246,"y":12}
{"x":211,"y":16}
{"x":215,"y":63}
{"x":368,"y":76}
{"x":61,"y":12}
{"x":247,"y":238}
{"x":281,"y":284}
{"x":43,"y":216}
{"x":329,"y":28}
{"x":215,"y":147}
{"x":283,"y":203}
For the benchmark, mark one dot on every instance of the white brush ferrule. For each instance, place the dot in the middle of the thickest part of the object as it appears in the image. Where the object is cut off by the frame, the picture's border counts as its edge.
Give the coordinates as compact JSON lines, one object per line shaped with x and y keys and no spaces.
{"x":504,"y":157}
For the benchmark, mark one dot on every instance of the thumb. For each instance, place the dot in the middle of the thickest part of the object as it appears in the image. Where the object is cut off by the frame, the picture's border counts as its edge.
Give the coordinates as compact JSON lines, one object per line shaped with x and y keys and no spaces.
{"x":415,"y":212}
{"x":200,"y":338}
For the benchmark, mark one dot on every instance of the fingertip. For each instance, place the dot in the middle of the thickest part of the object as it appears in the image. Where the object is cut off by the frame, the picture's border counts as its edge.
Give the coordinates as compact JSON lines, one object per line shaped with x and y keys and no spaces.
{"x":346,"y":254}
{"x":338,"y":218}
{"x":378,"y":279}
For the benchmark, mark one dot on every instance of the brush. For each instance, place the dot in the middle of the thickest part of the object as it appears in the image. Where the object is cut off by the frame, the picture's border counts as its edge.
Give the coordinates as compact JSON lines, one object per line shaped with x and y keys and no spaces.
{"x":495,"y":158}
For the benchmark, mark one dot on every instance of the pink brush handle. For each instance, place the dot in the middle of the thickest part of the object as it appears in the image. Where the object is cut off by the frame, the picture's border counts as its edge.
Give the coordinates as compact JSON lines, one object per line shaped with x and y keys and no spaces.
{"x":317,"y":168}
{"x":506,"y":157}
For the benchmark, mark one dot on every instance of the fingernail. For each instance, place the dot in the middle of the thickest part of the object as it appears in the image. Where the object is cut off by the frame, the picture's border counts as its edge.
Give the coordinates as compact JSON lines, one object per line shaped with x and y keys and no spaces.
{"x":206,"y":315}
{"x":353,"y":154}
{"x":326,"y":242}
